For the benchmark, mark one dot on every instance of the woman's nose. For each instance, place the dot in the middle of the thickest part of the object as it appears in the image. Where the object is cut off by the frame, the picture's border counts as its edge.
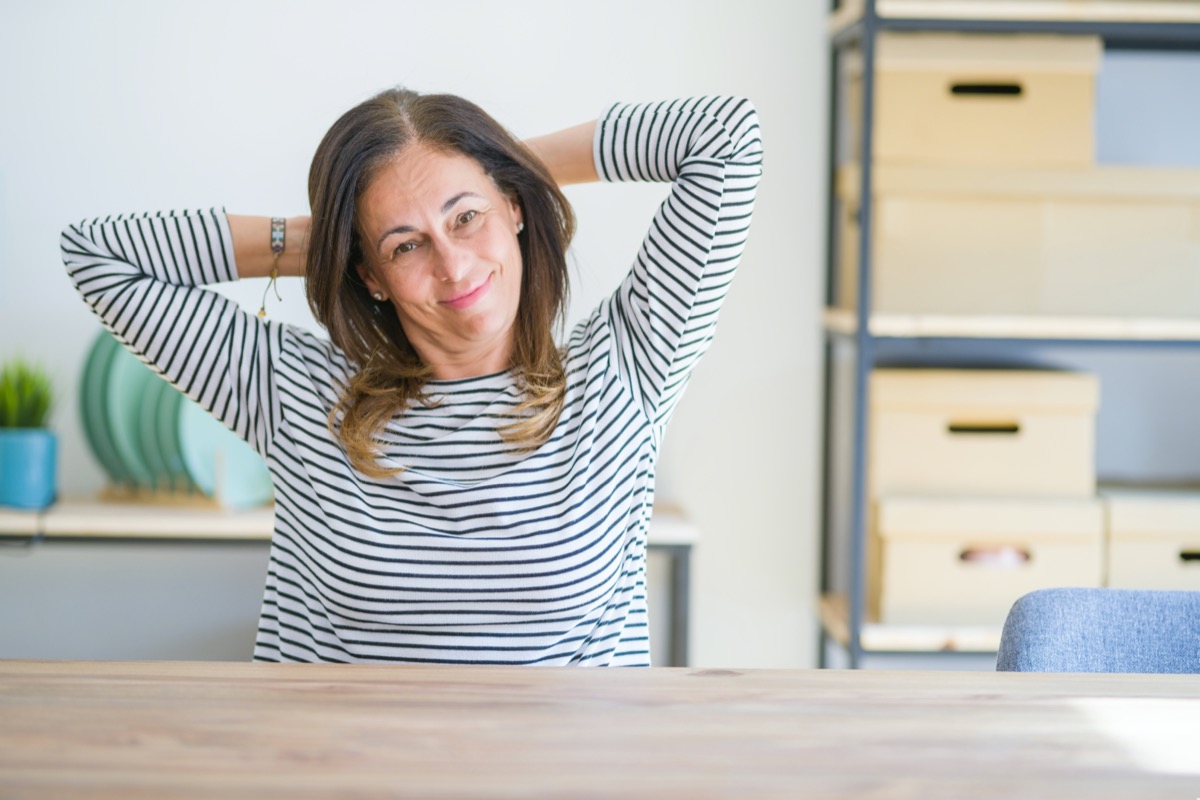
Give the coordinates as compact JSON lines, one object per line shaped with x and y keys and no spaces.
{"x":451,"y":261}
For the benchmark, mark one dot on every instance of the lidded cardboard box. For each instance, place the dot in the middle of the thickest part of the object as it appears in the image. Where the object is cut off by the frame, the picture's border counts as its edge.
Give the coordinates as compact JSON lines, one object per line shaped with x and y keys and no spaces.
{"x":972,"y":98}
{"x":965,"y":560}
{"x":1105,"y":241}
{"x":982,"y":432}
{"x":1153,"y":538}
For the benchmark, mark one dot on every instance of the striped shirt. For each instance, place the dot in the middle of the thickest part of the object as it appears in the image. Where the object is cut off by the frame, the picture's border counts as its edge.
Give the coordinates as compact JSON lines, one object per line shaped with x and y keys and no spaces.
{"x":474,"y":553}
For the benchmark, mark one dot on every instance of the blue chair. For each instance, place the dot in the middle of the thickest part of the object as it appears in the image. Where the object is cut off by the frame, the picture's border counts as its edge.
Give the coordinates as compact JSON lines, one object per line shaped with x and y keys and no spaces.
{"x":1102,"y":630}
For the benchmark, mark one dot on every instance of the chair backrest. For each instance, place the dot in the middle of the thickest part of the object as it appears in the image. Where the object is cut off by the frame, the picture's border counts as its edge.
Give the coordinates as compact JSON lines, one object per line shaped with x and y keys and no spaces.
{"x":1102,"y":630}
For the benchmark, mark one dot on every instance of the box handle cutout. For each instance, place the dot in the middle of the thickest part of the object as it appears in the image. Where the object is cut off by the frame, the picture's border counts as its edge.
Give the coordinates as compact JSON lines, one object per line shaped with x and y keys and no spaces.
{"x":996,"y":556}
{"x":986,"y":428}
{"x":1192,"y":556}
{"x":989,"y":89}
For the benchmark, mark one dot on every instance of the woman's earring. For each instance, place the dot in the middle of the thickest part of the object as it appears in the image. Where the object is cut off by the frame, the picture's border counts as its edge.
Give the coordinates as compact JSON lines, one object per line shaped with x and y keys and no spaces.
{"x":520,"y":227}
{"x":378,"y":296}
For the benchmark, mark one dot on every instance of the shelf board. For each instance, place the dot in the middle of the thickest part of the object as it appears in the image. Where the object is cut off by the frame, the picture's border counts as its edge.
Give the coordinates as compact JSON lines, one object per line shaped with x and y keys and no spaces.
{"x":875,"y":636}
{"x":979,"y":326}
{"x":1106,"y":11}
{"x":85,"y":518}
{"x":18,"y":522}
{"x":101,"y":519}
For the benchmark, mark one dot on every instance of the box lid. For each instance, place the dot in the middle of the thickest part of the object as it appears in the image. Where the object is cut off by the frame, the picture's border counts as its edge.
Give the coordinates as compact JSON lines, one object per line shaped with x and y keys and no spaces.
{"x":984,"y":391}
{"x":983,"y":54}
{"x":1099,"y":182}
{"x":977,"y":52}
{"x":1030,"y":10}
{"x":1151,"y":511}
{"x":924,"y":516}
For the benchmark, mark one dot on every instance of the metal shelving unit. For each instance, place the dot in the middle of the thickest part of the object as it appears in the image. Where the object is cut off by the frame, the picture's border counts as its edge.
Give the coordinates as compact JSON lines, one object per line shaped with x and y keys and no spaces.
{"x":867,"y":339}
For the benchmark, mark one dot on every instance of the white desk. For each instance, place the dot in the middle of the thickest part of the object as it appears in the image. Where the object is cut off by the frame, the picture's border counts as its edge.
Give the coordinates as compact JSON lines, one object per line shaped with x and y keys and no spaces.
{"x":89,"y":520}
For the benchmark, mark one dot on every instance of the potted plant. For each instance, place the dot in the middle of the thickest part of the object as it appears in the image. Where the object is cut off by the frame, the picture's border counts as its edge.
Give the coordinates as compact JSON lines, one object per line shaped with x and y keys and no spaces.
{"x":27,"y":446}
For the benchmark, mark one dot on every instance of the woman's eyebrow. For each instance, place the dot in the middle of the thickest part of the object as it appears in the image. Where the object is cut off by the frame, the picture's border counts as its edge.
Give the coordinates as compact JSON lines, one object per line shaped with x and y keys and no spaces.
{"x":449,"y":204}
{"x":446,"y":206}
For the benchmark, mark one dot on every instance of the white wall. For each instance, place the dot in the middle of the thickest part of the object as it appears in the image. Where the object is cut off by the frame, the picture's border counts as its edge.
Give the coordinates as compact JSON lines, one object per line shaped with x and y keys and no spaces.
{"x":127,"y":106}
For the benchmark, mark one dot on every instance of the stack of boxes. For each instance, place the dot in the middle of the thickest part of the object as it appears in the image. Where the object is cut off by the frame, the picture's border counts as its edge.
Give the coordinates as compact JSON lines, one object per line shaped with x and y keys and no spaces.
{"x":988,"y":201}
{"x":983,"y":488}
{"x":1153,"y":538}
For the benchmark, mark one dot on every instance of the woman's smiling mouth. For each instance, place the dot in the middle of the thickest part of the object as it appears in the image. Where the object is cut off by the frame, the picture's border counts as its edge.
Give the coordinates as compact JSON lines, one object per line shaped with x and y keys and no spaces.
{"x":471,"y":297}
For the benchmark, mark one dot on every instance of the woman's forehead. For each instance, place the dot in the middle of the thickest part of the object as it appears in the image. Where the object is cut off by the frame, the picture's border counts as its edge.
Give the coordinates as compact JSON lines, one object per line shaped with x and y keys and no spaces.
{"x":419,"y":168}
{"x":423,"y":180}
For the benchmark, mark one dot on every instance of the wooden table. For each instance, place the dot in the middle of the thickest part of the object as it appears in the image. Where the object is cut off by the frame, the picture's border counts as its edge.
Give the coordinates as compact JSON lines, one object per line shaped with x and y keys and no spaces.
{"x":180,"y":729}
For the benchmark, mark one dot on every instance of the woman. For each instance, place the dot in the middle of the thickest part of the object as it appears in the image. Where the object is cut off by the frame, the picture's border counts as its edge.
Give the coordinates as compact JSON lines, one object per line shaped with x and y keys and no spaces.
{"x":450,"y":487}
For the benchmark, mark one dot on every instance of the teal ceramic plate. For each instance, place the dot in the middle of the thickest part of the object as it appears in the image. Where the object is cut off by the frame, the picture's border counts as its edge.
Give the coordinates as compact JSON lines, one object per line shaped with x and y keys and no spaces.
{"x":87,"y":376}
{"x":221,"y":464}
{"x":92,"y":403}
{"x":128,"y":381}
{"x":166,"y":424}
{"x":147,"y":432}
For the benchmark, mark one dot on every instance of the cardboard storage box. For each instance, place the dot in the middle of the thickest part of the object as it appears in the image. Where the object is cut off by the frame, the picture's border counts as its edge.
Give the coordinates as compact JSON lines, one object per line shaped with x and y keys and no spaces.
{"x":1153,"y":539}
{"x":982,"y":432}
{"x":964,"y":561}
{"x":996,"y":99}
{"x":1106,"y":241}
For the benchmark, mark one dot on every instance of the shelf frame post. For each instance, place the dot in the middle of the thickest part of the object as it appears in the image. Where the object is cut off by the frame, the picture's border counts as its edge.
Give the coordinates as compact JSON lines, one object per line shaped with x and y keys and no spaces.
{"x":864,"y":344}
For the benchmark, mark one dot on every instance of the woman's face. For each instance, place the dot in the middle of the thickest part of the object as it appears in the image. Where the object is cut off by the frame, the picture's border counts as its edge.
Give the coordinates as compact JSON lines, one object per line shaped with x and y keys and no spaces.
{"x":440,"y":242}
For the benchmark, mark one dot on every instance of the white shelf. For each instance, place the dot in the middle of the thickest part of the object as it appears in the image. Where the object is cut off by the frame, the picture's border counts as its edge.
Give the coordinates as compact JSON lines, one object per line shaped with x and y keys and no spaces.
{"x":1016,"y":327}
{"x":18,"y":522}
{"x":1145,"y":11}
{"x":100,"y":519}
{"x":876,"y":636}
{"x":1118,"y":21}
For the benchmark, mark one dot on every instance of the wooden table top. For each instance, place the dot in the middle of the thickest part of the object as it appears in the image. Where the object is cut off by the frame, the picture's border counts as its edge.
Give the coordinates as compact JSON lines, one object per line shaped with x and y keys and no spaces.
{"x":178,"y":729}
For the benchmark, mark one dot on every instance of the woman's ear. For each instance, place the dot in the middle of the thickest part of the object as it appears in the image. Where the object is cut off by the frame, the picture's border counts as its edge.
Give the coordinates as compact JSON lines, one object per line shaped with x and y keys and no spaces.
{"x":517,"y":212}
{"x":364,"y":275}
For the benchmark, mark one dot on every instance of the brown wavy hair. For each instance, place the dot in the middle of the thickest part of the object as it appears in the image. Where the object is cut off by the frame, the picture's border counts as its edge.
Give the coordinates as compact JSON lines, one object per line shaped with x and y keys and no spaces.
{"x":390,"y":375}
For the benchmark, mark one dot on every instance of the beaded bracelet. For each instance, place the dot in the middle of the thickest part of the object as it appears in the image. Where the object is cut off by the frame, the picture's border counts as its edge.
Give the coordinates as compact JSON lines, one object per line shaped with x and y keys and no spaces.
{"x":278,"y":238}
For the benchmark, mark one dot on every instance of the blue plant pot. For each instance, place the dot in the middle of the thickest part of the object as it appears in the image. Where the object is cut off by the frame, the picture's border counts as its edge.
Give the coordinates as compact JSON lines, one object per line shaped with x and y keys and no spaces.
{"x":27,"y":467}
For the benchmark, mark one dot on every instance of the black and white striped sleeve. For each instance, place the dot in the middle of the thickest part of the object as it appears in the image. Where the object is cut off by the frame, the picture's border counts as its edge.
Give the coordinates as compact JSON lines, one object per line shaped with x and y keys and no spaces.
{"x":141,"y":275}
{"x":664,"y":313}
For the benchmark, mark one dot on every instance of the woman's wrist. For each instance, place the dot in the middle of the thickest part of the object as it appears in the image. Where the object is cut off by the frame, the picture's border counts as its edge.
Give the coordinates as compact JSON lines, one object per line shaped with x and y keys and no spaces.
{"x":568,"y":153}
{"x":291,"y":261}
{"x":252,"y":251}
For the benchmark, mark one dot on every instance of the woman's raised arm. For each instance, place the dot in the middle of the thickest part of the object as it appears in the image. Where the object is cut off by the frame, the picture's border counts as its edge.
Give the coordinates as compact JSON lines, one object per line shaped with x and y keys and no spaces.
{"x":142,"y":275}
{"x":568,"y":153}
{"x":664,"y":314}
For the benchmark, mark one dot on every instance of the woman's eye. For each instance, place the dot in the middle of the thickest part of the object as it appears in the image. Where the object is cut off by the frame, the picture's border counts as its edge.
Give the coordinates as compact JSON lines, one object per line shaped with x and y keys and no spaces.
{"x":406,"y":247}
{"x":466,"y":217}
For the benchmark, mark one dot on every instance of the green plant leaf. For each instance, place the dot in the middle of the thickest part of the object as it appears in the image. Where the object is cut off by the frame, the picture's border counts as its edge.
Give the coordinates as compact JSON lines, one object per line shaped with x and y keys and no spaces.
{"x":26,"y":395}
